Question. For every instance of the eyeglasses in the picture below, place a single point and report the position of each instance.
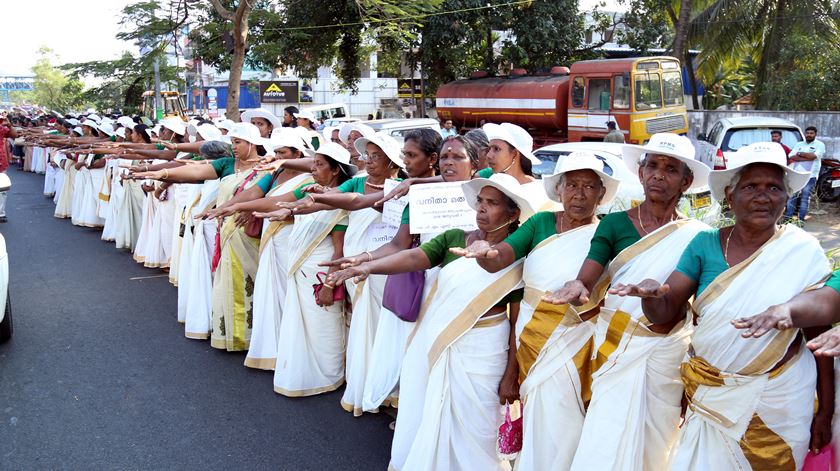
(372, 158)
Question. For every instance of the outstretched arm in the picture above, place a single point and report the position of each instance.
(662, 304)
(402, 262)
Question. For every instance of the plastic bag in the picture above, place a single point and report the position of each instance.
(823, 461)
(509, 443)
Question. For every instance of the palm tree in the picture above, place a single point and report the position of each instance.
(729, 30)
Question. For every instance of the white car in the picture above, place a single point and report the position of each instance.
(398, 128)
(730, 134)
(698, 205)
(6, 313)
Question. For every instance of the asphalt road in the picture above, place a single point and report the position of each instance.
(99, 374)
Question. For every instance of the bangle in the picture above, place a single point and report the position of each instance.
(370, 256)
(327, 285)
(311, 196)
(166, 174)
(176, 147)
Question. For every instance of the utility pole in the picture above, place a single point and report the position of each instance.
(158, 107)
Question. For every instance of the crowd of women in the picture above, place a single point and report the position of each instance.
(640, 340)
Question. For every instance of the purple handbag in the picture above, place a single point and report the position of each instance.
(403, 294)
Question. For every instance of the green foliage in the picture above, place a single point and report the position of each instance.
(647, 24)
(545, 34)
(729, 84)
(807, 75)
(52, 88)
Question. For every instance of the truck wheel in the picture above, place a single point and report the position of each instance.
(6, 325)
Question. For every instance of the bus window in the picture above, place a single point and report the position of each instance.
(672, 88)
(578, 92)
(648, 91)
(599, 94)
(621, 92)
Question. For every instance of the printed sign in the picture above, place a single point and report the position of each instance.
(405, 88)
(279, 91)
(392, 210)
(437, 207)
(380, 234)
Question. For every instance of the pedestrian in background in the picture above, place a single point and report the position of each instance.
(806, 156)
(614, 135)
(776, 136)
(448, 129)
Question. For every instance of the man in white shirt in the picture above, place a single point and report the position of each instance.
(806, 156)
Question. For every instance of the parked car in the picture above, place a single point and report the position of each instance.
(337, 122)
(6, 313)
(398, 128)
(728, 135)
(699, 204)
(328, 111)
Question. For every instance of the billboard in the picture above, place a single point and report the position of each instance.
(405, 89)
(279, 91)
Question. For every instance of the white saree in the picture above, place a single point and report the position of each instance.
(362, 235)
(554, 347)
(58, 158)
(449, 400)
(270, 283)
(746, 411)
(64, 203)
(632, 419)
(311, 339)
(195, 289)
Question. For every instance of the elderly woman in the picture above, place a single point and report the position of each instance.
(550, 347)
(449, 405)
(634, 412)
(751, 400)
(235, 253)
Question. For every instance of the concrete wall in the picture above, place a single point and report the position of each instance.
(826, 122)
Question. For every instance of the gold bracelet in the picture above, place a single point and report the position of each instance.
(370, 256)
(327, 285)
(176, 147)
(166, 174)
(311, 196)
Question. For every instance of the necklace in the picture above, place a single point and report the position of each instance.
(639, 218)
(726, 247)
(501, 227)
(509, 166)
(375, 186)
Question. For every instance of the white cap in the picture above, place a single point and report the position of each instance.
(225, 124)
(247, 132)
(78, 130)
(335, 152)
(581, 160)
(504, 183)
(513, 135)
(327, 133)
(347, 128)
(306, 114)
(125, 121)
(285, 137)
(175, 125)
(120, 132)
(757, 153)
(90, 123)
(94, 117)
(208, 132)
(671, 145)
(106, 128)
(263, 113)
(388, 144)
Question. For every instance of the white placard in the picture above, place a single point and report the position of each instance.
(392, 210)
(380, 234)
(437, 207)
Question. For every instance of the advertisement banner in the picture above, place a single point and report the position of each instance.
(279, 91)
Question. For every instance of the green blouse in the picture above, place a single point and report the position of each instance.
(353, 185)
(224, 166)
(615, 233)
(437, 251)
(703, 259)
(834, 281)
(536, 229)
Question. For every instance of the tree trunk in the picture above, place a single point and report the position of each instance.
(681, 29)
(769, 58)
(240, 47)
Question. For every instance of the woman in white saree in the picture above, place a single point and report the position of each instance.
(458, 352)
(312, 335)
(270, 282)
(365, 232)
(633, 415)
(550, 371)
(751, 400)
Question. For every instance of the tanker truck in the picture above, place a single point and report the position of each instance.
(642, 95)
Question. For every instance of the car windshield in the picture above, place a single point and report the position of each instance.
(734, 139)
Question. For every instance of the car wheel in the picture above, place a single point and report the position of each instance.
(6, 325)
